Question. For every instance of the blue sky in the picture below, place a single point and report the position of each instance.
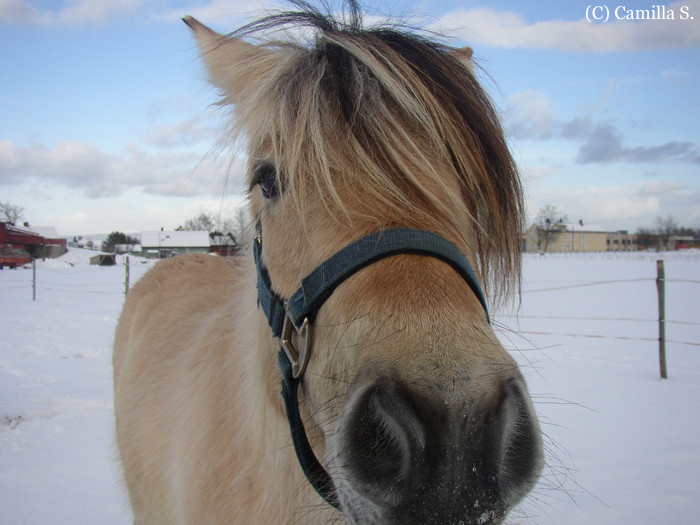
(107, 121)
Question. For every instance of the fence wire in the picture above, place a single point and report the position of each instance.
(611, 319)
(598, 283)
(118, 289)
(616, 319)
(617, 337)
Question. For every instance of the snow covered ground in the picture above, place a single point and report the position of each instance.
(623, 446)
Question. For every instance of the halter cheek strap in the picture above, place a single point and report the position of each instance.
(297, 315)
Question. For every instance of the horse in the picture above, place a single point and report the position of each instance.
(387, 208)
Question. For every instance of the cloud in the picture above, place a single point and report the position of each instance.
(532, 117)
(17, 12)
(224, 12)
(676, 77)
(628, 206)
(604, 144)
(185, 133)
(101, 174)
(507, 29)
(71, 13)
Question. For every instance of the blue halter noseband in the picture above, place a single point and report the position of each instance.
(297, 315)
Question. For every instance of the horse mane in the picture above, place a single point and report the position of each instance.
(393, 112)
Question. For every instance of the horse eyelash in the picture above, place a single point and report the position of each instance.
(263, 172)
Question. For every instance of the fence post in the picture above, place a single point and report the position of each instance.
(33, 279)
(661, 288)
(126, 280)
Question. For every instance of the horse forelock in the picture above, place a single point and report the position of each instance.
(389, 127)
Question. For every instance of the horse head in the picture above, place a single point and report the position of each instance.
(412, 405)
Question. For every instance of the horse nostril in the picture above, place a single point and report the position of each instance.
(385, 439)
(521, 446)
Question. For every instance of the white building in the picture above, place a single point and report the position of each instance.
(161, 244)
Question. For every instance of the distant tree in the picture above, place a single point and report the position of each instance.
(11, 213)
(687, 232)
(242, 228)
(115, 238)
(550, 223)
(646, 239)
(201, 222)
(665, 228)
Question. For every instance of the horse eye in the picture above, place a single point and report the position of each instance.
(265, 176)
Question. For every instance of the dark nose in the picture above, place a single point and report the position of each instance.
(425, 459)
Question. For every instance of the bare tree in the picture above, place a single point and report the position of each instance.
(12, 213)
(665, 229)
(550, 223)
(243, 228)
(202, 222)
(646, 238)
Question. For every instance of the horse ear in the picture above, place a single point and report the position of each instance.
(464, 55)
(233, 64)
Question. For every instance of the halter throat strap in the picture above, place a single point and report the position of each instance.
(297, 315)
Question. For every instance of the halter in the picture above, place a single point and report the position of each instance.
(297, 315)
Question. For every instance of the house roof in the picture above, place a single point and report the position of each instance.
(576, 227)
(175, 239)
(585, 228)
(48, 232)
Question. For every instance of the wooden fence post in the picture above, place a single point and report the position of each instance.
(661, 288)
(126, 280)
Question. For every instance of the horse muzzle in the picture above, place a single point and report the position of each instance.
(409, 456)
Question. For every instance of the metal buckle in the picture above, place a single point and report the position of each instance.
(298, 359)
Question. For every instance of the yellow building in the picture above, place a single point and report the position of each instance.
(574, 238)
(622, 241)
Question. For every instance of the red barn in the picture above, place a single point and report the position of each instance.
(20, 245)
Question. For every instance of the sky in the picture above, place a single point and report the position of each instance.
(107, 122)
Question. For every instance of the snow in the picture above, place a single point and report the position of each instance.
(622, 445)
(57, 451)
